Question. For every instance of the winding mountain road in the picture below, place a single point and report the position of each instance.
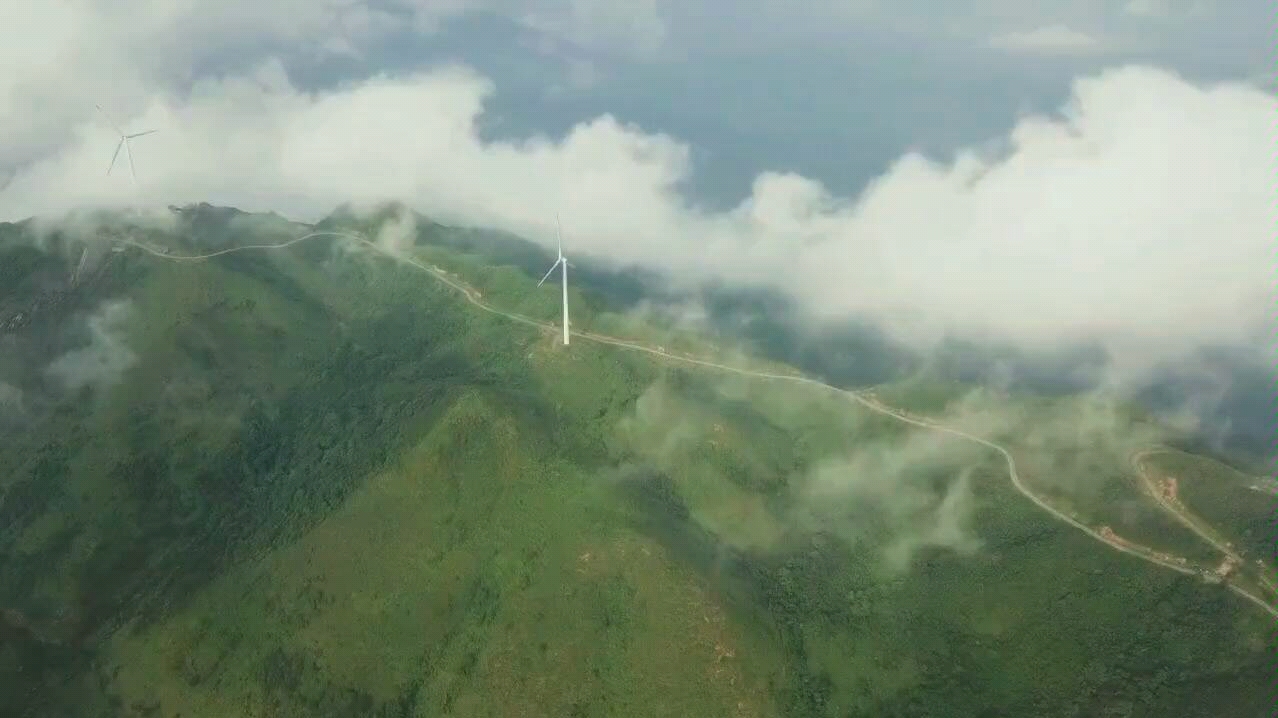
(1138, 464)
(473, 297)
(1182, 514)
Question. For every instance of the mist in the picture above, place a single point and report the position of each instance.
(11, 401)
(901, 495)
(1138, 216)
(397, 234)
(104, 360)
(1132, 216)
(895, 494)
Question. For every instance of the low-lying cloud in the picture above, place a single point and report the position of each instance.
(895, 494)
(103, 361)
(11, 400)
(1047, 40)
(903, 494)
(398, 234)
(1140, 216)
(911, 491)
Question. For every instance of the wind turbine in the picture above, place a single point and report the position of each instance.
(124, 142)
(562, 262)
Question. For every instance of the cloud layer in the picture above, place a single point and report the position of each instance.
(1140, 216)
(105, 359)
(1047, 40)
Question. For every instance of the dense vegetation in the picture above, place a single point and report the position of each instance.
(1242, 507)
(1236, 418)
(316, 482)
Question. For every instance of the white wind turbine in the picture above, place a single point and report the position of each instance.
(124, 142)
(562, 262)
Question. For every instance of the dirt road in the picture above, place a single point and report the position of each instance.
(473, 297)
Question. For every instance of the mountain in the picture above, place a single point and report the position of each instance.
(323, 481)
(1225, 390)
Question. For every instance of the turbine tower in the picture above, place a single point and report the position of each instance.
(124, 142)
(562, 262)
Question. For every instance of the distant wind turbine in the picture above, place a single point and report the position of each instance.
(124, 142)
(562, 262)
(75, 278)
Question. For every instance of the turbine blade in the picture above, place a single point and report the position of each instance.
(129, 153)
(548, 271)
(109, 120)
(115, 155)
(559, 236)
(139, 134)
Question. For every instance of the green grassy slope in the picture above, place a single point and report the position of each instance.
(1074, 451)
(327, 486)
(1235, 503)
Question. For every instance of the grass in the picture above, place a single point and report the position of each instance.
(328, 486)
(448, 586)
(1223, 497)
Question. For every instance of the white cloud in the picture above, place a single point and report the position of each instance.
(1147, 8)
(1047, 40)
(62, 57)
(104, 361)
(397, 235)
(893, 479)
(636, 25)
(1264, 80)
(1143, 216)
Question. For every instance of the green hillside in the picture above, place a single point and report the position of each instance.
(1073, 450)
(1240, 506)
(319, 482)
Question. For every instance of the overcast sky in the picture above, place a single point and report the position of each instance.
(1048, 171)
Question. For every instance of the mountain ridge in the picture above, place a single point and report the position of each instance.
(314, 356)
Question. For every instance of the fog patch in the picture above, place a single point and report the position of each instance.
(103, 362)
(900, 495)
(398, 234)
(11, 400)
(661, 423)
(77, 227)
